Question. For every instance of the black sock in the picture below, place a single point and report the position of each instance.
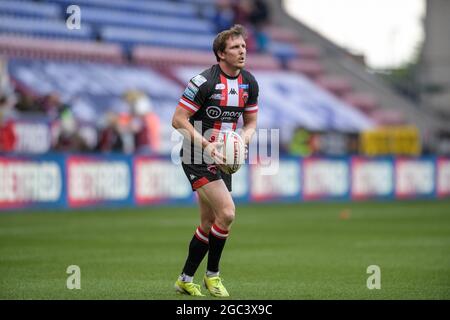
(217, 238)
(197, 251)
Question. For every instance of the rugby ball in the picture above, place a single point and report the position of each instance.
(233, 149)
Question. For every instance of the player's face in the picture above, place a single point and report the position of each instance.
(235, 52)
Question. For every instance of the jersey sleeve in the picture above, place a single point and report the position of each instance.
(194, 95)
(252, 103)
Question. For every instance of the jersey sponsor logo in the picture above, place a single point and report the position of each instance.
(232, 91)
(198, 80)
(245, 96)
(192, 87)
(243, 86)
(220, 86)
(217, 96)
(190, 91)
(189, 94)
(213, 112)
(230, 115)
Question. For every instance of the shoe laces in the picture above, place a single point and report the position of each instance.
(216, 281)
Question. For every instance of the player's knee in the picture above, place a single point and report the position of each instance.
(228, 215)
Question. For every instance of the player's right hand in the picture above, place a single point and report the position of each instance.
(213, 150)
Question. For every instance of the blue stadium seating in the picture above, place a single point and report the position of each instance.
(130, 36)
(281, 50)
(156, 7)
(147, 32)
(126, 22)
(29, 9)
(43, 27)
(101, 16)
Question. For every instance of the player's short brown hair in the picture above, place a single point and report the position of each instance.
(220, 42)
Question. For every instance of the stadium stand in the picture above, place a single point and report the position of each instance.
(310, 67)
(166, 36)
(337, 61)
(281, 34)
(163, 57)
(388, 117)
(42, 28)
(338, 85)
(152, 22)
(129, 37)
(30, 9)
(365, 102)
(25, 47)
(160, 7)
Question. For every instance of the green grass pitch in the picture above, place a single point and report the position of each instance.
(276, 251)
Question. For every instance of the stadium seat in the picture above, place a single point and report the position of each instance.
(388, 117)
(163, 57)
(307, 51)
(29, 9)
(15, 46)
(147, 21)
(310, 67)
(365, 102)
(160, 7)
(337, 85)
(132, 36)
(262, 62)
(283, 50)
(43, 27)
(280, 34)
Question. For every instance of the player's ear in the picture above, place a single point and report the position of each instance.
(221, 54)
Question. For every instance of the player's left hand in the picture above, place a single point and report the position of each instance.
(213, 151)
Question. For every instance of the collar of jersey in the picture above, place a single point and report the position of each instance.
(227, 76)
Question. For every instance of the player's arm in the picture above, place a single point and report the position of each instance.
(250, 113)
(180, 121)
(190, 102)
(249, 128)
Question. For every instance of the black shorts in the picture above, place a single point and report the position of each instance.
(200, 174)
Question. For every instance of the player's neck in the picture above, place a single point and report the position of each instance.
(229, 70)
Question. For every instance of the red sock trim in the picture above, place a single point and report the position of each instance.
(219, 230)
(202, 232)
(201, 237)
(219, 233)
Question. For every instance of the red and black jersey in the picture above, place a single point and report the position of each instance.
(218, 100)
